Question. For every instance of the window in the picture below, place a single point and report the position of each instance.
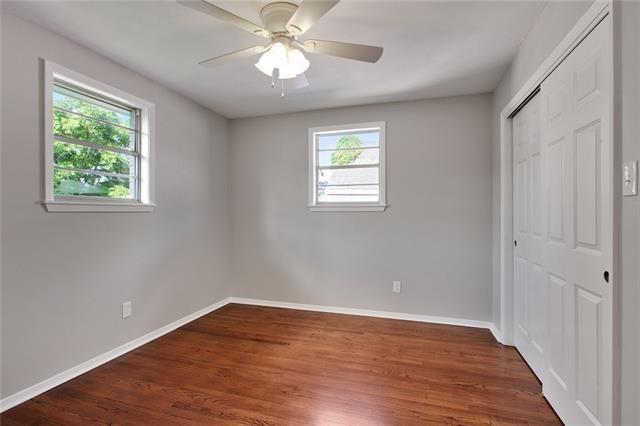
(97, 145)
(347, 167)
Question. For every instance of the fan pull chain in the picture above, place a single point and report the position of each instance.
(282, 88)
(273, 82)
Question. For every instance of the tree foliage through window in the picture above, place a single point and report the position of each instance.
(348, 151)
(83, 126)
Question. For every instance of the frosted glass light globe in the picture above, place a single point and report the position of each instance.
(278, 54)
(297, 62)
(290, 62)
(265, 64)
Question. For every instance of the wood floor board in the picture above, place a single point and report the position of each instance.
(268, 366)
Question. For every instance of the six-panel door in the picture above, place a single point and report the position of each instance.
(577, 253)
(530, 287)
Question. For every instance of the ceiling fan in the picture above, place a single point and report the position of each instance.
(283, 22)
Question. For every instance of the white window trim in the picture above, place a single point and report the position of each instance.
(381, 205)
(95, 204)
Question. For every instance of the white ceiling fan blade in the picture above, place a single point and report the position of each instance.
(219, 13)
(299, 82)
(243, 53)
(359, 52)
(308, 13)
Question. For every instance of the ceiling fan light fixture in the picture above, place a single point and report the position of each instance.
(297, 62)
(266, 64)
(290, 62)
(283, 22)
(285, 73)
(278, 54)
(274, 57)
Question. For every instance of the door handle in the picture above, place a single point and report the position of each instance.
(606, 276)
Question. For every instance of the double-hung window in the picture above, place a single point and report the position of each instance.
(97, 145)
(347, 167)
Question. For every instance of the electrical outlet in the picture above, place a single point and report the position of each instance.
(397, 286)
(126, 309)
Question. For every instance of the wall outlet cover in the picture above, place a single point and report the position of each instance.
(397, 286)
(126, 309)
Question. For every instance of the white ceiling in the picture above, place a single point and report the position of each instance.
(431, 48)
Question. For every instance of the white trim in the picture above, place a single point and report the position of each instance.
(582, 28)
(58, 379)
(87, 206)
(381, 205)
(364, 312)
(496, 333)
(349, 208)
(54, 71)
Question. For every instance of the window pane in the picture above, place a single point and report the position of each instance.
(355, 193)
(86, 184)
(81, 157)
(76, 127)
(348, 140)
(68, 99)
(349, 156)
(349, 176)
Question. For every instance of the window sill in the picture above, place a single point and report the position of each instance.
(88, 206)
(349, 208)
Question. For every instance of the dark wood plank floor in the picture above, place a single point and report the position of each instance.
(267, 366)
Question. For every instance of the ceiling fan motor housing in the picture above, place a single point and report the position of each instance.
(276, 15)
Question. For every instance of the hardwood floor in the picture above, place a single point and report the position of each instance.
(267, 366)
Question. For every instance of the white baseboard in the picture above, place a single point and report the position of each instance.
(496, 333)
(365, 312)
(58, 379)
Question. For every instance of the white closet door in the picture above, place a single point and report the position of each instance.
(578, 204)
(530, 288)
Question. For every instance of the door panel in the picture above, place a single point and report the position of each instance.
(530, 291)
(521, 276)
(558, 337)
(578, 239)
(521, 179)
(538, 314)
(586, 186)
(555, 191)
(588, 349)
(536, 191)
(555, 104)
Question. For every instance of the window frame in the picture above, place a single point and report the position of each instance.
(313, 134)
(145, 124)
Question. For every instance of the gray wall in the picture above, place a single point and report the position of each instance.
(555, 22)
(435, 236)
(65, 275)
